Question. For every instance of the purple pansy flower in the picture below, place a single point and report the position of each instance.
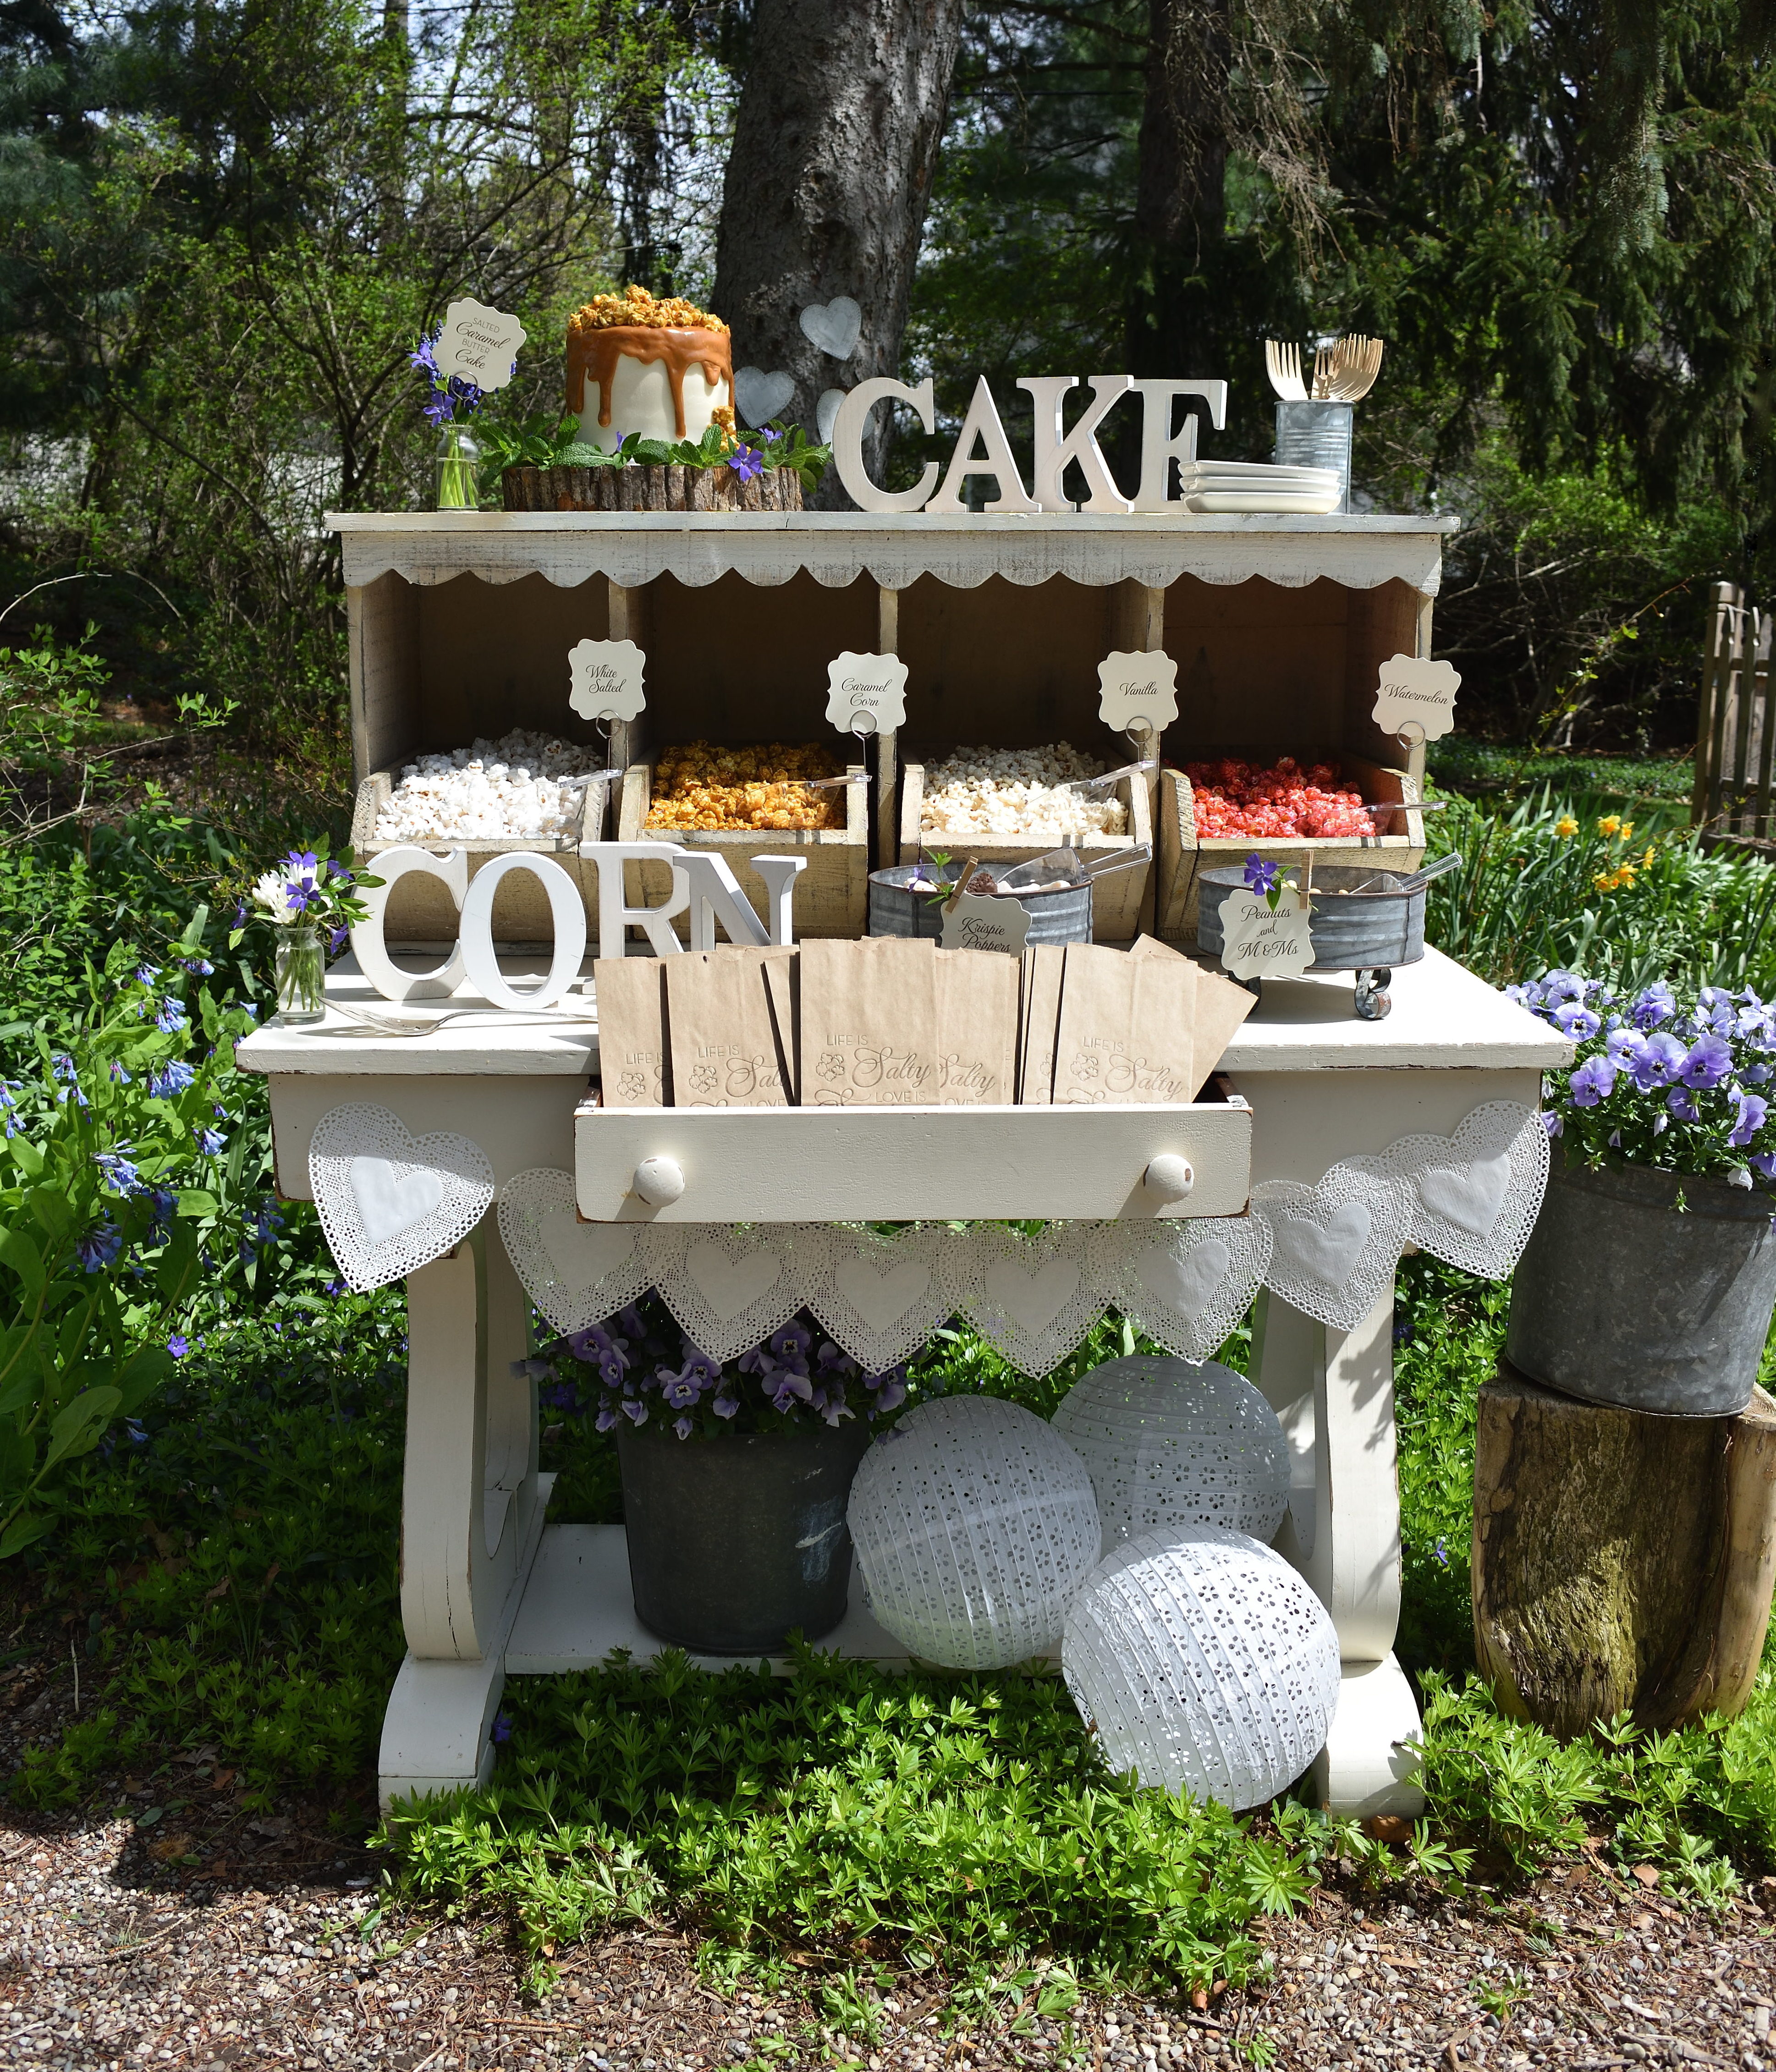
(1682, 1103)
(1753, 1108)
(1652, 1004)
(1657, 1062)
(1709, 1062)
(1594, 1081)
(1573, 1018)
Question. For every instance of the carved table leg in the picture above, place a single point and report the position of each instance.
(471, 1513)
(1334, 1392)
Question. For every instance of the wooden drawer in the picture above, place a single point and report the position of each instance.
(893, 1165)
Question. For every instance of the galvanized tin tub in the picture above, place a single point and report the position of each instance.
(1376, 930)
(1063, 916)
(1620, 1297)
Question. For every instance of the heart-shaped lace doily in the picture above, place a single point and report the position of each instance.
(1186, 1284)
(881, 1298)
(1477, 1194)
(1334, 1247)
(578, 1273)
(730, 1288)
(1032, 1298)
(390, 1202)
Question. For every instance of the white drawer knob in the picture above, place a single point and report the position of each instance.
(1169, 1176)
(659, 1181)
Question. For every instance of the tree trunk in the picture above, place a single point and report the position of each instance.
(1622, 1562)
(1180, 200)
(827, 183)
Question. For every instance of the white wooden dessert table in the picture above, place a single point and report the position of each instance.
(487, 1590)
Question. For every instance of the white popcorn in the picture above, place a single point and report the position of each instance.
(497, 790)
(1020, 791)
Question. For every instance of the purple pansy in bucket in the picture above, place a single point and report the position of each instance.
(644, 1368)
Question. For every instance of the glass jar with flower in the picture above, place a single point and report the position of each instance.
(310, 900)
(735, 1473)
(1651, 1277)
(449, 398)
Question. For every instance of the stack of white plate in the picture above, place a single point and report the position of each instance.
(1211, 486)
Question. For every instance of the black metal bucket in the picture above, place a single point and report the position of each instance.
(1619, 1298)
(1061, 916)
(1378, 929)
(737, 1541)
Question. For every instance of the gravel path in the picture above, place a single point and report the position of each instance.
(116, 1951)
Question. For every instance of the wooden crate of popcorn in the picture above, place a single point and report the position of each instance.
(1185, 854)
(420, 908)
(832, 894)
(1118, 899)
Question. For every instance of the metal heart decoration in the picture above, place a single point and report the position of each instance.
(1477, 1194)
(576, 1273)
(390, 1202)
(881, 1298)
(1186, 1284)
(826, 413)
(834, 326)
(759, 396)
(728, 1290)
(1334, 1247)
(1032, 1298)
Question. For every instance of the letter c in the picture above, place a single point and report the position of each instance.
(847, 428)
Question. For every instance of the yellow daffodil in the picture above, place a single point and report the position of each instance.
(1566, 826)
(1646, 860)
(1609, 824)
(1627, 831)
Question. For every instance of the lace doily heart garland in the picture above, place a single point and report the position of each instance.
(576, 1273)
(1334, 1247)
(881, 1298)
(1476, 1195)
(390, 1202)
(1186, 1284)
(1032, 1299)
(729, 1288)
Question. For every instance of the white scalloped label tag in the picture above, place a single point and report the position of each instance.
(1137, 690)
(866, 693)
(606, 680)
(479, 343)
(1416, 694)
(980, 921)
(1258, 942)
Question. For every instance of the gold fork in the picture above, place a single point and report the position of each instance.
(1283, 364)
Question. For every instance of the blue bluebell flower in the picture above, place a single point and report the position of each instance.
(169, 1017)
(63, 1065)
(209, 1141)
(169, 1080)
(101, 1246)
(120, 1175)
(121, 1074)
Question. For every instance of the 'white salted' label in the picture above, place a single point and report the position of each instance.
(1256, 942)
(607, 678)
(866, 693)
(1137, 690)
(979, 922)
(480, 343)
(1416, 694)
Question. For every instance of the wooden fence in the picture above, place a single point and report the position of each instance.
(1734, 737)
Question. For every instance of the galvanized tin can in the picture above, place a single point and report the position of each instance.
(1064, 916)
(1316, 435)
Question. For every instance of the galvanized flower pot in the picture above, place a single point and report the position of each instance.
(1622, 1297)
(737, 1541)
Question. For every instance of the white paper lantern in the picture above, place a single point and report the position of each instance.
(1168, 1443)
(1204, 1663)
(974, 1525)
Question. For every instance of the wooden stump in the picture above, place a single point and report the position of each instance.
(638, 488)
(1622, 1562)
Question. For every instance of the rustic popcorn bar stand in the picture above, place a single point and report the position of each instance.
(460, 625)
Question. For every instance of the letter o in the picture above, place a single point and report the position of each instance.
(566, 909)
(367, 945)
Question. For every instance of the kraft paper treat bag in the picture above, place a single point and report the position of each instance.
(719, 1031)
(1126, 1028)
(869, 1026)
(782, 973)
(1150, 946)
(631, 993)
(976, 1028)
(1221, 1006)
(1042, 1009)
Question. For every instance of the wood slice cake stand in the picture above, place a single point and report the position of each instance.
(640, 488)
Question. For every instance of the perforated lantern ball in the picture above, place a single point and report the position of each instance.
(974, 1525)
(1204, 1663)
(1168, 1443)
